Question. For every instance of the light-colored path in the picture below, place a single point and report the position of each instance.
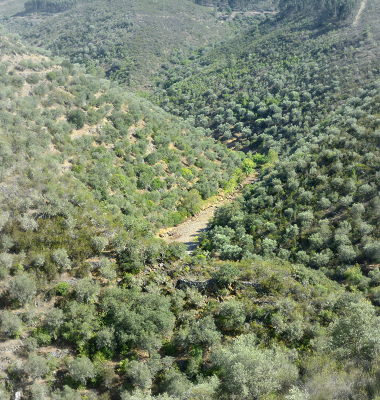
(193, 227)
(362, 7)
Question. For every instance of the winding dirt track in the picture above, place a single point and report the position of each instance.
(193, 227)
(362, 7)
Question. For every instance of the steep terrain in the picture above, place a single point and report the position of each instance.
(127, 41)
(313, 99)
(280, 300)
(361, 9)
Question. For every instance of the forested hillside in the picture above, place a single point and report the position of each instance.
(143, 167)
(127, 41)
(269, 86)
(49, 6)
(314, 101)
(240, 5)
(280, 301)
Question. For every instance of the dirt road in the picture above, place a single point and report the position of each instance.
(194, 226)
(362, 7)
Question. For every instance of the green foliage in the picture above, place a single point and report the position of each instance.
(11, 325)
(51, 76)
(42, 336)
(353, 275)
(149, 313)
(81, 369)
(248, 166)
(62, 288)
(33, 79)
(251, 371)
(23, 288)
(77, 118)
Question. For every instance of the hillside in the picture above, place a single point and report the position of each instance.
(312, 99)
(11, 7)
(268, 86)
(280, 301)
(143, 167)
(128, 40)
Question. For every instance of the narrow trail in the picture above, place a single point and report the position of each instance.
(362, 7)
(194, 226)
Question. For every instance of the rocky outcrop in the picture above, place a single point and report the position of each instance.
(199, 285)
(212, 285)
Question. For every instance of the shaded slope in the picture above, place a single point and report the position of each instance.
(250, 90)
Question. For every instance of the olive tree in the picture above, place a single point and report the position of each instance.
(231, 315)
(202, 332)
(107, 269)
(54, 321)
(39, 392)
(105, 339)
(150, 342)
(140, 374)
(138, 394)
(81, 369)
(99, 243)
(66, 394)
(37, 366)
(356, 334)
(61, 258)
(372, 251)
(4, 394)
(23, 288)
(86, 290)
(11, 324)
(192, 202)
(6, 260)
(77, 118)
(250, 372)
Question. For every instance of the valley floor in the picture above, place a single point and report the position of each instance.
(188, 231)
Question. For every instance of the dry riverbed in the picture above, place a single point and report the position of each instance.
(189, 230)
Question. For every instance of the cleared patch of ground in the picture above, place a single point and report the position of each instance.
(189, 230)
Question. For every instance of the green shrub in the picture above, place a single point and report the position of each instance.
(77, 118)
(42, 336)
(51, 76)
(33, 79)
(62, 288)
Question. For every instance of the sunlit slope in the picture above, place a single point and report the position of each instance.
(128, 39)
(83, 161)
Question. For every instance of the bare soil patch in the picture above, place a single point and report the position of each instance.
(361, 9)
(189, 230)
